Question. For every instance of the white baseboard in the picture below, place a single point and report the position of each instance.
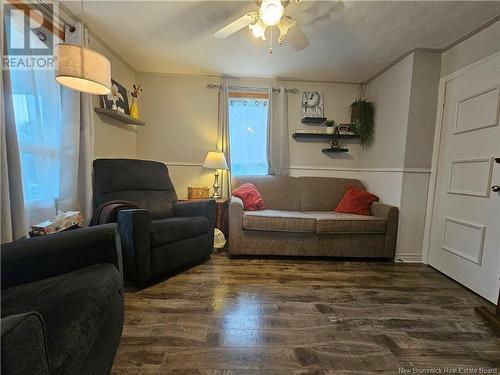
(408, 258)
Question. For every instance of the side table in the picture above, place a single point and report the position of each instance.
(221, 214)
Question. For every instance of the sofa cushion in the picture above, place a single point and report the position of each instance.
(356, 201)
(278, 192)
(324, 193)
(336, 222)
(278, 221)
(250, 196)
(72, 306)
(176, 229)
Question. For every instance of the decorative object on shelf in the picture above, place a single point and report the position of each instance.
(201, 192)
(134, 108)
(83, 69)
(335, 143)
(330, 127)
(335, 146)
(313, 120)
(122, 117)
(216, 160)
(310, 131)
(345, 129)
(117, 99)
(363, 116)
(312, 104)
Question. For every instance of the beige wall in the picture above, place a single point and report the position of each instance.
(390, 92)
(181, 123)
(405, 98)
(181, 126)
(479, 46)
(422, 110)
(112, 138)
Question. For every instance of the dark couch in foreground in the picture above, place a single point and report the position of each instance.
(62, 303)
(163, 235)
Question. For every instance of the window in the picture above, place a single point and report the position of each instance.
(36, 102)
(248, 133)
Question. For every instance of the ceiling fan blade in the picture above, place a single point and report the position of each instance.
(285, 24)
(235, 26)
(297, 38)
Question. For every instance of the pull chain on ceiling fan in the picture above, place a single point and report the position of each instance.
(271, 13)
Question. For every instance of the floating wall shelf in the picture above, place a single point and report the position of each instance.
(323, 136)
(122, 117)
(314, 120)
(333, 149)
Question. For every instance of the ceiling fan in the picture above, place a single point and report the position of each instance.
(271, 13)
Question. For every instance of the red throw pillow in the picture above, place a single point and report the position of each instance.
(248, 193)
(356, 201)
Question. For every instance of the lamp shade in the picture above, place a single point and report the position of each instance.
(83, 69)
(215, 160)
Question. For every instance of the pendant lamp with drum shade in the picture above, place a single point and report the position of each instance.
(83, 69)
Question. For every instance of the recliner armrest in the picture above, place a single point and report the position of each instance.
(202, 207)
(38, 258)
(135, 229)
(24, 347)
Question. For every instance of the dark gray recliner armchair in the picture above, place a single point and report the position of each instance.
(62, 303)
(162, 235)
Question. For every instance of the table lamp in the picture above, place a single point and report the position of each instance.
(216, 160)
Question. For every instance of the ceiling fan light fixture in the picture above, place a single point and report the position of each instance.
(258, 29)
(271, 12)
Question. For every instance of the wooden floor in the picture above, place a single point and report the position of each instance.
(268, 316)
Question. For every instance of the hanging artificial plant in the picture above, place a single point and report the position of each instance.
(362, 116)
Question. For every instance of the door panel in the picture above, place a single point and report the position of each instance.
(465, 233)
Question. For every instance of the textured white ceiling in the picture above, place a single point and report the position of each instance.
(350, 41)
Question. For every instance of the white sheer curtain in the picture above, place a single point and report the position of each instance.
(37, 111)
(13, 221)
(223, 137)
(77, 143)
(278, 150)
(55, 137)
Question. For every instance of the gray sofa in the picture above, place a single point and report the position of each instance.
(299, 220)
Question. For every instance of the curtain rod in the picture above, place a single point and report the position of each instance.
(214, 86)
(50, 11)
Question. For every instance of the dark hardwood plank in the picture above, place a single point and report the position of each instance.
(303, 316)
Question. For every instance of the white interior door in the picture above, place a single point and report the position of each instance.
(465, 231)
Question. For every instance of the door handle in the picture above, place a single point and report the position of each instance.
(495, 188)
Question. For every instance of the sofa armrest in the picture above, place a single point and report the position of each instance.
(135, 230)
(235, 224)
(203, 207)
(236, 211)
(38, 258)
(24, 348)
(391, 215)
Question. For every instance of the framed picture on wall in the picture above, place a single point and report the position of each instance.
(312, 104)
(117, 99)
